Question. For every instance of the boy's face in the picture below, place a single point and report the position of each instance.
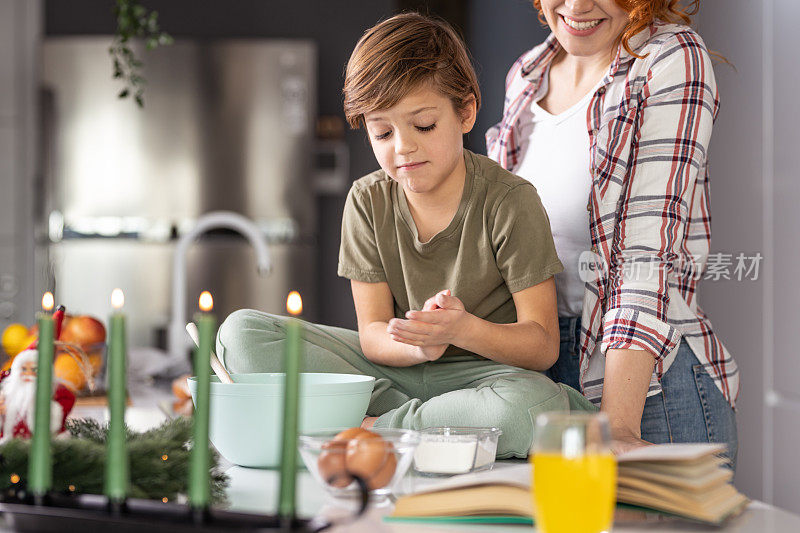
(418, 141)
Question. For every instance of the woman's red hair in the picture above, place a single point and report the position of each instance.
(642, 13)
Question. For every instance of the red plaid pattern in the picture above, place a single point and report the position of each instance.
(649, 124)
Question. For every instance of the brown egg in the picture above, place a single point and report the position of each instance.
(331, 464)
(383, 476)
(371, 458)
(351, 433)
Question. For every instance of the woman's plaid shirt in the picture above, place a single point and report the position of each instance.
(649, 126)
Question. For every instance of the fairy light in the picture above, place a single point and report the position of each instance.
(164, 457)
(14, 479)
(164, 499)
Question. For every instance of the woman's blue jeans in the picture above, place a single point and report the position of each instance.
(690, 407)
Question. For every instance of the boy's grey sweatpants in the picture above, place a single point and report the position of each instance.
(455, 391)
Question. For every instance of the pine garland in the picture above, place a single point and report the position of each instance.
(159, 461)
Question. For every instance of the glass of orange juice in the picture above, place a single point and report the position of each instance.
(574, 473)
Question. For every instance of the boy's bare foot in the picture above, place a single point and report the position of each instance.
(368, 422)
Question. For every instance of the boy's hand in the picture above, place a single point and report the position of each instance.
(429, 353)
(432, 329)
(430, 304)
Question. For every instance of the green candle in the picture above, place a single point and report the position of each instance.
(291, 395)
(117, 469)
(199, 478)
(40, 468)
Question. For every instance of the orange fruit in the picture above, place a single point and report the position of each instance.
(84, 331)
(180, 388)
(68, 370)
(182, 407)
(15, 339)
(96, 360)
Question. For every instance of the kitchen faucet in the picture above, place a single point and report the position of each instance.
(178, 340)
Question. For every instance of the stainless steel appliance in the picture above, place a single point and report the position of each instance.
(227, 125)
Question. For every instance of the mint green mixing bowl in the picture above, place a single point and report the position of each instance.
(247, 416)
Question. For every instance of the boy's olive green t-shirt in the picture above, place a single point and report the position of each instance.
(498, 243)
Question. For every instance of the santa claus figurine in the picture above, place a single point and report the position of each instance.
(18, 396)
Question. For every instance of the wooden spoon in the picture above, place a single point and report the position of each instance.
(216, 364)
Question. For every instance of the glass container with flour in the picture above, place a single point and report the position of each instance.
(446, 451)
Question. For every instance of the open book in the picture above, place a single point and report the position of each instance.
(687, 480)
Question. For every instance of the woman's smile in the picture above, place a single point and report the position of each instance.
(586, 28)
(580, 28)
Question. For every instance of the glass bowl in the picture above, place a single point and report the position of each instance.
(447, 451)
(381, 462)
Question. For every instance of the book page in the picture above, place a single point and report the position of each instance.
(519, 474)
(671, 452)
(516, 475)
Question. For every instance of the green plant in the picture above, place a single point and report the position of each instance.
(159, 461)
(134, 21)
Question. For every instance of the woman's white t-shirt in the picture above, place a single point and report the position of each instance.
(555, 159)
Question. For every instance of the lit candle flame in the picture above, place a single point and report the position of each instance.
(48, 301)
(117, 299)
(294, 303)
(206, 302)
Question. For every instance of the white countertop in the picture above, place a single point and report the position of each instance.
(256, 491)
(253, 490)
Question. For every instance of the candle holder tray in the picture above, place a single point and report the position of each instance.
(87, 512)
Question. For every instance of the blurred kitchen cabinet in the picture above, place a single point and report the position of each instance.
(20, 32)
(8, 185)
(8, 46)
(227, 125)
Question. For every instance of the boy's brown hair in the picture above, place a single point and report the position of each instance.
(399, 55)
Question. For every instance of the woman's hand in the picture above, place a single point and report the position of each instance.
(432, 329)
(624, 440)
(625, 385)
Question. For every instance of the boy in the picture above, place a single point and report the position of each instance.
(450, 257)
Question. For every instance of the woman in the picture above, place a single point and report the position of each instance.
(616, 107)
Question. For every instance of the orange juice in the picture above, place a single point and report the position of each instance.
(574, 494)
